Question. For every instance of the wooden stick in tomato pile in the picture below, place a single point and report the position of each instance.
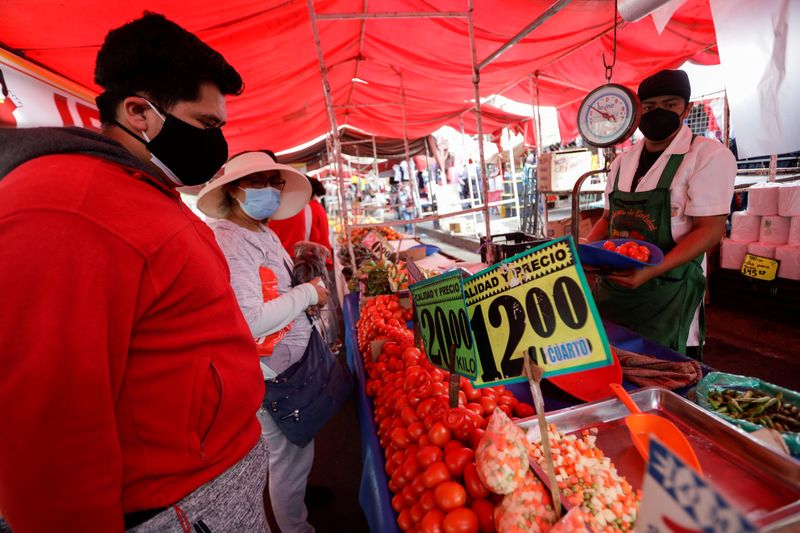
(534, 375)
(455, 379)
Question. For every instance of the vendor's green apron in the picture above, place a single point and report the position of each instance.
(663, 308)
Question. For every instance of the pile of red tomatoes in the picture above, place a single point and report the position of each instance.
(429, 447)
(630, 249)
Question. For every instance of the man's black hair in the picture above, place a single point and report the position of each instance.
(155, 57)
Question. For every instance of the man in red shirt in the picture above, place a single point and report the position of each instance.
(130, 380)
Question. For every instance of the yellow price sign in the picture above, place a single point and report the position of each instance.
(537, 299)
(756, 266)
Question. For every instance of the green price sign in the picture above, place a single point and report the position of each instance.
(442, 318)
(537, 299)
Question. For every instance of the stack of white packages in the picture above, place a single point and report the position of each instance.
(774, 230)
(762, 249)
(763, 198)
(794, 231)
(732, 254)
(789, 199)
(745, 226)
(789, 256)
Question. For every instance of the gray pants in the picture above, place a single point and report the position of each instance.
(231, 502)
(289, 466)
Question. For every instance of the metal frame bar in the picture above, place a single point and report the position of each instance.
(393, 15)
(557, 6)
(430, 218)
(476, 81)
(337, 149)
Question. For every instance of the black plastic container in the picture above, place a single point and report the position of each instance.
(506, 245)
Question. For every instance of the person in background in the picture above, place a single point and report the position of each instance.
(252, 190)
(130, 380)
(672, 189)
(405, 207)
(317, 219)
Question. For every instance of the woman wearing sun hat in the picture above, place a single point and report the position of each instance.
(251, 190)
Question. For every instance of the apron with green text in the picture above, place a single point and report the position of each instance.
(663, 308)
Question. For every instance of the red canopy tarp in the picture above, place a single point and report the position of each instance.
(271, 43)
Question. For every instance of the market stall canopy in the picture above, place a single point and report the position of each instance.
(426, 63)
(359, 144)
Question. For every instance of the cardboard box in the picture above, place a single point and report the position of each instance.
(558, 171)
(563, 227)
(461, 225)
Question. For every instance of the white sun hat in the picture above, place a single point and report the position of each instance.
(294, 196)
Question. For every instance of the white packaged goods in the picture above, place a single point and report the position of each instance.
(745, 226)
(789, 199)
(789, 256)
(763, 198)
(732, 254)
(774, 230)
(794, 231)
(762, 249)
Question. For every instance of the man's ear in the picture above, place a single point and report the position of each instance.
(131, 111)
(686, 111)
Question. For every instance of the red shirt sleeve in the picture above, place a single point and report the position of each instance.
(69, 302)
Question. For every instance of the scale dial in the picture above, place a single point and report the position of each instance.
(608, 115)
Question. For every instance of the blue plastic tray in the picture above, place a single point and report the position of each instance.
(595, 255)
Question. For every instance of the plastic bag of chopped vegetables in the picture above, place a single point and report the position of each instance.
(752, 404)
(527, 509)
(502, 455)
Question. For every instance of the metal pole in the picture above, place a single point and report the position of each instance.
(375, 158)
(428, 218)
(469, 179)
(549, 12)
(326, 89)
(513, 166)
(727, 122)
(476, 80)
(393, 15)
(412, 179)
(773, 167)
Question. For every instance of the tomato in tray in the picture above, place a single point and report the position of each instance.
(630, 249)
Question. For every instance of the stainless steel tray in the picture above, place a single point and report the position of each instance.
(762, 484)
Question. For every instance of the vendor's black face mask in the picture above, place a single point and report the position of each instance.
(188, 155)
(658, 124)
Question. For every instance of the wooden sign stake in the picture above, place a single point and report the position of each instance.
(534, 375)
(455, 379)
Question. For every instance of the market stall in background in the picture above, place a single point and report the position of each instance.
(451, 356)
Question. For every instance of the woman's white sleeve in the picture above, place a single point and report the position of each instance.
(275, 314)
(244, 261)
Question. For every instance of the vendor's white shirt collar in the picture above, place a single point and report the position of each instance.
(679, 145)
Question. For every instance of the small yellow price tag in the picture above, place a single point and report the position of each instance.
(758, 267)
(536, 299)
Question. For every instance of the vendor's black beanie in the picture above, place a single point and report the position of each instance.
(666, 83)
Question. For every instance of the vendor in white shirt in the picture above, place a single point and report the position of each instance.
(672, 189)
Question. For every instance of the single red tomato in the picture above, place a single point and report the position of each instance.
(475, 408)
(404, 520)
(432, 522)
(400, 438)
(477, 435)
(427, 455)
(449, 495)
(488, 404)
(435, 474)
(452, 445)
(484, 510)
(461, 520)
(608, 245)
(475, 486)
(506, 409)
(398, 502)
(457, 460)
(523, 410)
(439, 434)
(427, 500)
(416, 512)
(418, 486)
(416, 430)
(411, 467)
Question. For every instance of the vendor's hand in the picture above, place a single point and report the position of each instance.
(322, 292)
(634, 277)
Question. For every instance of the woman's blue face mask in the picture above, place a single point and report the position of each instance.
(260, 204)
